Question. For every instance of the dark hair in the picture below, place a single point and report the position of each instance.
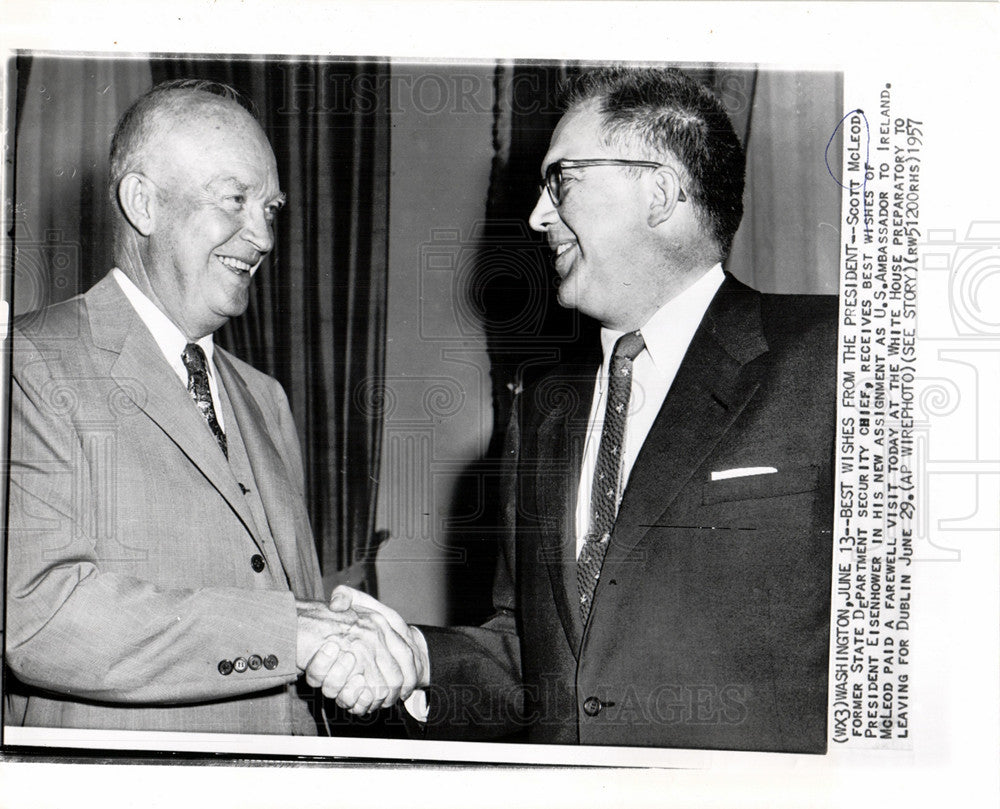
(665, 111)
(138, 122)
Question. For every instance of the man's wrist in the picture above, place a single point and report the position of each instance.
(423, 658)
(416, 704)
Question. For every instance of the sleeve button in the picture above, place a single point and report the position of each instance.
(254, 662)
(225, 667)
(239, 665)
(270, 662)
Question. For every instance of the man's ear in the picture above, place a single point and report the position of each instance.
(667, 194)
(136, 196)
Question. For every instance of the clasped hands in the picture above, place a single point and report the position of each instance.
(359, 652)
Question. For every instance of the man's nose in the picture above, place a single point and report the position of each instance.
(544, 213)
(258, 229)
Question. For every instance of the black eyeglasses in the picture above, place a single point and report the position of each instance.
(554, 179)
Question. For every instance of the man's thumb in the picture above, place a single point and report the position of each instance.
(341, 599)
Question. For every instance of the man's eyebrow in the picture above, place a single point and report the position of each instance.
(280, 199)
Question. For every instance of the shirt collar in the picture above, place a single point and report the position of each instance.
(673, 323)
(169, 338)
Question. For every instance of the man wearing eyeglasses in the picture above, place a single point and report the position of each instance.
(664, 576)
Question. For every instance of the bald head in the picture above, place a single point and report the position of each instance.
(195, 185)
(165, 107)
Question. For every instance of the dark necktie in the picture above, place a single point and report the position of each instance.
(197, 368)
(607, 472)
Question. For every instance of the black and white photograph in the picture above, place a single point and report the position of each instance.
(428, 414)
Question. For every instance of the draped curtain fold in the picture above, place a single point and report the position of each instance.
(316, 319)
(527, 332)
(66, 113)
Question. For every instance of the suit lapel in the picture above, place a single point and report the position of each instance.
(269, 473)
(144, 376)
(561, 437)
(713, 384)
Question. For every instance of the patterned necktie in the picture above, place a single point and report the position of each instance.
(607, 472)
(197, 368)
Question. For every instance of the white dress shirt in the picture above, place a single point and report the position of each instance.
(170, 339)
(667, 335)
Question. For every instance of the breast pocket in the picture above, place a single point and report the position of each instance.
(794, 480)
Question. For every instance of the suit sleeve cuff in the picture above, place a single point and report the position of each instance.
(416, 705)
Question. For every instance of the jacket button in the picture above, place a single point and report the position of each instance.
(257, 563)
(270, 662)
(254, 662)
(225, 667)
(239, 665)
(592, 706)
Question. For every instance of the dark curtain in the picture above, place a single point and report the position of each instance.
(527, 331)
(66, 113)
(316, 319)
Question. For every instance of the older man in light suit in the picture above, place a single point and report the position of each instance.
(161, 569)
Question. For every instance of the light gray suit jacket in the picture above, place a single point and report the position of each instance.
(136, 563)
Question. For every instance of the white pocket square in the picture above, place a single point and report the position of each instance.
(743, 472)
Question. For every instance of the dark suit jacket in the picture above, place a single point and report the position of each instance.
(135, 564)
(709, 626)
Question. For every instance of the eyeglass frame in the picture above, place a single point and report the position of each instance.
(556, 167)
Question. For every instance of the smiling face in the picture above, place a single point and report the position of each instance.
(617, 235)
(214, 194)
(609, 254)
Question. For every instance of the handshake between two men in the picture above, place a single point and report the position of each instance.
(359, 652)
(630, 605)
